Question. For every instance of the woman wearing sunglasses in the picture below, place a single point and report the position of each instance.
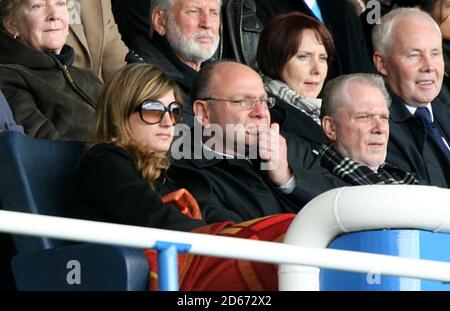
(122, 175)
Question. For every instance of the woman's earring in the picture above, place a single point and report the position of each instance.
(15, 36)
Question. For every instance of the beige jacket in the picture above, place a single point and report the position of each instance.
(95, 37)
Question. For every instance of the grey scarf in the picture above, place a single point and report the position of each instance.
(310, 106)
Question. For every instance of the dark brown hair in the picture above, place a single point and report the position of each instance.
(281, 37)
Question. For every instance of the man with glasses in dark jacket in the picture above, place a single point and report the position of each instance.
(244, 167)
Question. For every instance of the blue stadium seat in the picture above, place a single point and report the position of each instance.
(37, 177)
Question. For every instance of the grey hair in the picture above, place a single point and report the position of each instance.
(382, 33)
(164, 5)
(159, 5)
(335, 93)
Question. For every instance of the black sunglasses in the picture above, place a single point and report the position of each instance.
(152, 111)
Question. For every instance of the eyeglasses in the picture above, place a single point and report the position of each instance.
(152, 111)
(247, 103)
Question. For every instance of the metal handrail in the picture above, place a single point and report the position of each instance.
(218, 246)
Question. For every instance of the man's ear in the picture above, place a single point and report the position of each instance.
(380, 65)
(159, 22)
(329, 128)
(11, 27)
(202, 112)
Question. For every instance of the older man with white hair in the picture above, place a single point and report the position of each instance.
(408, 54)
(186, 33)
(354, 115)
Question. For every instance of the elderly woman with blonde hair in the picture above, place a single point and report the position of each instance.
(49, 97)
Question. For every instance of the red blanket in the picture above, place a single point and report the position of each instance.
(210, 273)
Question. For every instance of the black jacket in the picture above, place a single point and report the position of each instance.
(412, 149)
(48, 97)
(295, 121)
(237, 190)
(132, 18)
(109, 188)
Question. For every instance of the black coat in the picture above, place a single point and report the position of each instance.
(237, 190)
(132, 18)
(48, 97)
(109, 188)
(340, 18)
(295, 121)
(410, 146)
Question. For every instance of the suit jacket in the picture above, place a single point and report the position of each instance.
(340, 18)
(96, 41)
(410, 146)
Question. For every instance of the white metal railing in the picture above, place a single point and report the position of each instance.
(225, 247)
(361, 208)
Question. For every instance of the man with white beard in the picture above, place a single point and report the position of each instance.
(186, 33)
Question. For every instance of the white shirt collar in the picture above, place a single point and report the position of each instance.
(225, 155)
(310, 3)
(412, 110)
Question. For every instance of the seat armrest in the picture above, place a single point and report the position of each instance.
(82, 267)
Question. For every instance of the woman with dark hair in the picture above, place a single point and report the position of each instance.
(294, 54)
(48, 97)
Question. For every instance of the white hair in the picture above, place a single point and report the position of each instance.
(335, 94)
(188, 48)
(382, 33)
(165, 5)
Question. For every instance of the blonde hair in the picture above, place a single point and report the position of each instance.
(121, 96)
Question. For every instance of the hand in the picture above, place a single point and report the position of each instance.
(272, 149)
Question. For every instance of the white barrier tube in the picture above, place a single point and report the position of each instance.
(361, 208)
(226, 247)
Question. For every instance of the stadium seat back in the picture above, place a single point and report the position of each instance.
(37, 176)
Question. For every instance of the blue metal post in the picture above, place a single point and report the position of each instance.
(168, 264)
